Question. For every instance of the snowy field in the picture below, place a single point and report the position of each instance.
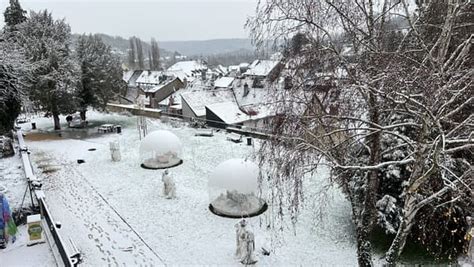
(116, 214)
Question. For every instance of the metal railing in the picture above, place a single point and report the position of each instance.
(69, 255)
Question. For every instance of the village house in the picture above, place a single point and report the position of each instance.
(229, 114)
(133, 91)
(224, 82)
(188, 70)
(194, 103)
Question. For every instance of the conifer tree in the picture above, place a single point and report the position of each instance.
(155, 55)
(140, 56)
(46, 44)
(132, 54)
(101, 74)
(14, 14)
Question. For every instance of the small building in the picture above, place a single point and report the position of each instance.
(188, 70)
(150, 78)
(133, 91)
(261, 68)
(222, 115)
(194, 103)
(159, 88)
(224, 82)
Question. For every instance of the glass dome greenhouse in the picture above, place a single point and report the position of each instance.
(233, 190)
(160, 150)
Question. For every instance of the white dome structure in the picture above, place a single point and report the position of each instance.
(160, 150)
(233, 190)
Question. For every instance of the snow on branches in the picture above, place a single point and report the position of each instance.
(382, 94)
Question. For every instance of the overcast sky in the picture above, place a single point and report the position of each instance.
(166, 20)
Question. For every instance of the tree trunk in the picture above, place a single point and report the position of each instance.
(82, 113)
(57, 124)
(398, 243)
(360, 218)
(364, 207)
(373, 176)
(364, 249)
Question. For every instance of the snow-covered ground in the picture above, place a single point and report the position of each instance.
(18, 254)
(116, 214)
(13, 181)
(13, 184)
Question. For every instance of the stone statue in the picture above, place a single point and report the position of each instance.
(169, 187)
(115, 151)
(239, 234)
(249, 244)
(245, 244)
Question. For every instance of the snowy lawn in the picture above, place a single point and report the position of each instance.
(102, 203)
(13, 184)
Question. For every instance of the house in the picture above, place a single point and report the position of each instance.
(224, 82)
(224, 114)
(188, 70)
(150, 78)
(223, 71)
(130, 77)
(127, 75)
(234, 70)
(261, 68)
(161, 91)
(194, 103)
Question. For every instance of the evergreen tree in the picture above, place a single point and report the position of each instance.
(14, 70)
(14, 14)
(132, 54)
(9, 95)
(46, 43)
(101, 73)
(140, 56)
(150, 60)
(155, 55)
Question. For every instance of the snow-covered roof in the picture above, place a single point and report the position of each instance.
(187, 67)
(228, 111)
(156, 88)
(195, 85)
(132, 81)
(223, 82)
(127, 75)
(150, 77)
(254, 96)
(261, 67)
(221, 69)
(198, 100)
(234, 68)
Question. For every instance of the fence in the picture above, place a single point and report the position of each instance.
(262, 133)
(70, 256)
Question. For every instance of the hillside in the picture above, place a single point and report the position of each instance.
(121, 44)
(187, 48)
(208, 47)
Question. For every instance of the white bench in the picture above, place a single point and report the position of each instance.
(236, 138)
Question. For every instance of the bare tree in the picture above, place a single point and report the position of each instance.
(374, 92)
